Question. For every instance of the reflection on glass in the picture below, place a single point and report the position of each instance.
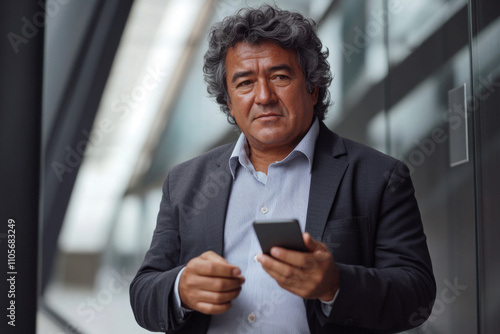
(416, 21)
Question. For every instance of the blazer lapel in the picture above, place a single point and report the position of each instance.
(327, 173)
(215, 215)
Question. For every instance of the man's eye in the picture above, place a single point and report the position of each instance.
(281, 77)
(244, 83)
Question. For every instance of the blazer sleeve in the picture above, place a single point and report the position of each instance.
(151, 291)
(388, 296)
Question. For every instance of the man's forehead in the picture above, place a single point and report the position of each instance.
(266, 52)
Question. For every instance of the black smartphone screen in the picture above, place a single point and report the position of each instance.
(283, 233)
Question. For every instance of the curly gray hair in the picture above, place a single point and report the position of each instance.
(289, 30)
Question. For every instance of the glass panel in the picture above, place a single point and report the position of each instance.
(416, 21)
(485, 102)
(103, 230)
(428, 49)
(354, 34)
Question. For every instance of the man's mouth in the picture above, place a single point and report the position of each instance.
(268, 116)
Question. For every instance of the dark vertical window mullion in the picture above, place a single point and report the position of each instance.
(475, 156)
(387, 83)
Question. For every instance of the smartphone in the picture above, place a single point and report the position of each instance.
(283, 233)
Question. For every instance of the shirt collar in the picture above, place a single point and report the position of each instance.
(306, 147)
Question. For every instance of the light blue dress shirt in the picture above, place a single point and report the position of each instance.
(262, 305)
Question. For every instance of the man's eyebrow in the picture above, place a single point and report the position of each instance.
(280, 67)
(275, 68)
(238, 75)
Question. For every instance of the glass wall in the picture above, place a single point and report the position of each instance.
(429, 57)
(485, 105)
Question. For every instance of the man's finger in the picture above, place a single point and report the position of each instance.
(212, 256)
(211, 264)
(218, 297)
(271, 264)
(290, 257)
(301, 259)
(319, 249)
(279, 270)
(288, 277)
(312, 244)
(207, 283)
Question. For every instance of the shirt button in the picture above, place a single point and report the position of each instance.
(252, 317)
(264, 210)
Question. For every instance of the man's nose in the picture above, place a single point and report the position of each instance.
(264, 93)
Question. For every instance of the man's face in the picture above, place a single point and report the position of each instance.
(268, 95)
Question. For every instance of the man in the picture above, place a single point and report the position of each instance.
(368, 267)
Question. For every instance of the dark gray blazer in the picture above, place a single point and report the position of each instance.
(361, 204)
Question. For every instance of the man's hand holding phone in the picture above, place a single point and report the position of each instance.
(311, 275)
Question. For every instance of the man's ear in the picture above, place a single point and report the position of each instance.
(314, 95)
